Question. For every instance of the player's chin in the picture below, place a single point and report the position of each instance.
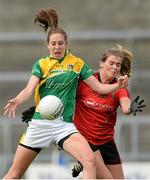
(113, 75)
(58, 56)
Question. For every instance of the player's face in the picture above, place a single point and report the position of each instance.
(57, 46)
(111, 67)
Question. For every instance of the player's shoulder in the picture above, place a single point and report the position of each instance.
(75, 58)
(44, 58)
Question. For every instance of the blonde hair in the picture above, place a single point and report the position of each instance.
(48, 20)
(124, 54)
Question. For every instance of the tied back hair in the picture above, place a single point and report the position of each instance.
(126, 61)
(47, 18)
(124, 54)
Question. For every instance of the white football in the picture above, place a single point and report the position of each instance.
(50, 107)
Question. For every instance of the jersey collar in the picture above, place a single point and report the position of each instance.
(60, 60)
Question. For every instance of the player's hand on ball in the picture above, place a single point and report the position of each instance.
(9, 109)
(137, 105)
(27, 114)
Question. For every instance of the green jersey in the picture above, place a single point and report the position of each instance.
(59, 78)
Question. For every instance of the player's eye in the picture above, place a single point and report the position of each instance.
(61, 43)
(118, 65)
(53, 43)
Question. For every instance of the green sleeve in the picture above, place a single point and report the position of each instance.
(36, 70)
(85, 72)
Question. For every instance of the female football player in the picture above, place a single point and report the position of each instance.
(96, 114)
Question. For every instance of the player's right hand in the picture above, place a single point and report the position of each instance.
(9, 109)
(123, 81)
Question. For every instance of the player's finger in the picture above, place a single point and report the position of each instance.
(142, 106)
(13, 114)
(125, 83)
(137, 98)
(141, 101)
(6, 107)
(24, 113)
(9, 114)
(6, 111)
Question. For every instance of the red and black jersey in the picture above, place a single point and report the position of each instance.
(95, 114)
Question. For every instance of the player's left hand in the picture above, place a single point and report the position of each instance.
(27, 114)
(137, 105)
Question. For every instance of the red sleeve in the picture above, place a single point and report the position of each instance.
(122, 93)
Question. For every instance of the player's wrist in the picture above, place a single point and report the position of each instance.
(117, 86)
(17, 102)
(129, 111)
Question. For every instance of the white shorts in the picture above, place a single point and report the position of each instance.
(41, 133)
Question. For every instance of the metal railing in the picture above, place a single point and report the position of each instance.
(77, 35)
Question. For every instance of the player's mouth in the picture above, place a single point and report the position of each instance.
(113, 72)
(58, 54)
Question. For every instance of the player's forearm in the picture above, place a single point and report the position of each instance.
(125, 103)
(27, 92)
(101, 88)
(23, 96)
(105, 88)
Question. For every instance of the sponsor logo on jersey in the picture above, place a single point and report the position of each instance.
(70, 67)
(93, 104)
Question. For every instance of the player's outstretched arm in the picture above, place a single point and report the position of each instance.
(25, 94)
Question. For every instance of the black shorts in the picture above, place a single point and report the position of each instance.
(109, 152)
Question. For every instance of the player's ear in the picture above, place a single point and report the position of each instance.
(101, 64)
(48, 46)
